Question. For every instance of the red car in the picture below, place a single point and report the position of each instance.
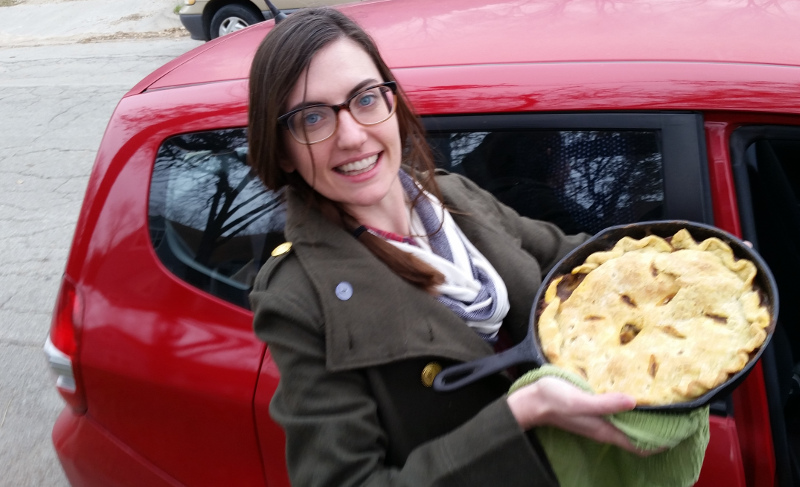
(587, 113)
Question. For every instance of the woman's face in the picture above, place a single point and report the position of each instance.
(357, 166)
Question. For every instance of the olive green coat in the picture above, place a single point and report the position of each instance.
(351, 399)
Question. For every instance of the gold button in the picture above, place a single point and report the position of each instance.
(429, 373)
(282, 249)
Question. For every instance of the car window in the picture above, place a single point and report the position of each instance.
(582, 171)
(212, 222)
(581, 180)
(768, 183)
(766, 166)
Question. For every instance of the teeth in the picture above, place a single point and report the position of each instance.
(358, 166)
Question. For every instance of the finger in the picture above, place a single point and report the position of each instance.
(580, 402)
(611, 403)
(601, 404)
(647, 453)
(612, 435)
(598, 430)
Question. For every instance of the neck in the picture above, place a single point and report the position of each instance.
(390, 214)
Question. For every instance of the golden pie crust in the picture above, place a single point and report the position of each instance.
(664, 320)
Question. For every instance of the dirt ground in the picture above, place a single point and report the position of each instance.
(25, 23)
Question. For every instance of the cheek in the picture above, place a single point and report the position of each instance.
(391, 133)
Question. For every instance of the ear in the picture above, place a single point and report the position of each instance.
(284, 154)
(287, 165)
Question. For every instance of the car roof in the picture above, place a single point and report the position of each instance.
(421, 33)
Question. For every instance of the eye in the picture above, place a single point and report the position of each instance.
(311, 118)
(367, 99)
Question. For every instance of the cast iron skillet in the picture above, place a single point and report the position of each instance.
(529, 350)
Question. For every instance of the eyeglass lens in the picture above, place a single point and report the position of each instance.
(316, 123)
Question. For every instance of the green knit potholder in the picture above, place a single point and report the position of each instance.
(578, 461)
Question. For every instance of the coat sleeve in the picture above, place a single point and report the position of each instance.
(333, 433)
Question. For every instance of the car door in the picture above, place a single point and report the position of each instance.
(189, 405)
(766, 165)
(585, 172)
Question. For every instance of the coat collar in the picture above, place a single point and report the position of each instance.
(371, 316)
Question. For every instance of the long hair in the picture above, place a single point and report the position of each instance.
(283, 56)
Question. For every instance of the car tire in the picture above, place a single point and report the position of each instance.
(231, 18)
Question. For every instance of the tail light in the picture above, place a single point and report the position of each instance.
(63, 345)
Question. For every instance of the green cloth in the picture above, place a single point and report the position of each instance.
(580, 462)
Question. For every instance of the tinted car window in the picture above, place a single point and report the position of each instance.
(212, 222)
(582, 180)
(765, 162)
(768, 177)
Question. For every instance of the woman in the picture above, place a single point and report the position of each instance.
(393, 273)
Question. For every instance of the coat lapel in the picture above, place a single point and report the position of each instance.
(371, 316)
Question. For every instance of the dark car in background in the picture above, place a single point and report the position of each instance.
(586, 113)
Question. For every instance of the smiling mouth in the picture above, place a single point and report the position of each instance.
(357, 167)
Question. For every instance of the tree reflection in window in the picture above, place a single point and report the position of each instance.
(582, 180)
(212, 222)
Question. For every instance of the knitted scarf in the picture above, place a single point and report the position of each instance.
(472, 289)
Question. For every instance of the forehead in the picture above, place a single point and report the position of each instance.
(333, 72)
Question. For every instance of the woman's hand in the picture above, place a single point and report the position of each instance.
(555, 402)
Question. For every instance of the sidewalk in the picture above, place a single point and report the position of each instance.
(43, 22)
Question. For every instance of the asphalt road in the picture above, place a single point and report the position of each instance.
(55, 101)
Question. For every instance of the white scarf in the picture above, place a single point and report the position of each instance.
(472, 288)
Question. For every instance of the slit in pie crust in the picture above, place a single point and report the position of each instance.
(663, 320)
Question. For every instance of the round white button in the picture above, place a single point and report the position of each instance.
(344, 291)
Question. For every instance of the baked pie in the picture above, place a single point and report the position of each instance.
(664, 320)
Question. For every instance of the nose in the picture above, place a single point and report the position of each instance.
(349, 133)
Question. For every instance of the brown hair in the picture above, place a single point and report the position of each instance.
(284, 54)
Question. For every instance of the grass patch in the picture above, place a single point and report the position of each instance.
(9, 3)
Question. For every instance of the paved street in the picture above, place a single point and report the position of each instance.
(55, 101)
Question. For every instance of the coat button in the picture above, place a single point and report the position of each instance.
(282, 249)
(344, 291)
(429, 373)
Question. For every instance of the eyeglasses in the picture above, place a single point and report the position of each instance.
(315, 123)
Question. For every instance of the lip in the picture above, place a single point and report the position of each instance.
(364, 175)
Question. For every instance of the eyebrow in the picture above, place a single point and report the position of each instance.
(360, 86)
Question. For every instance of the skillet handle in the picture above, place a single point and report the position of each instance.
(460, 375)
